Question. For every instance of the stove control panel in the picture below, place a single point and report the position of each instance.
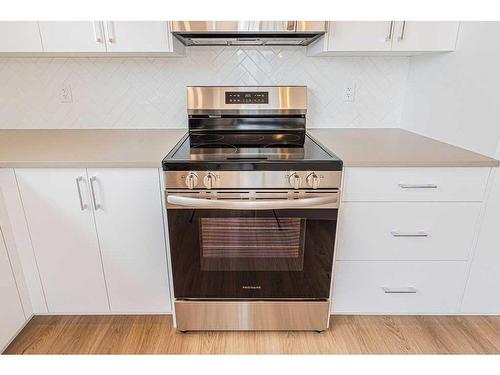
(254, 180)
(247, 97)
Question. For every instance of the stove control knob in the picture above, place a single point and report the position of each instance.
(295, 181)
(313, 180)
(209, 180)
(191, 180)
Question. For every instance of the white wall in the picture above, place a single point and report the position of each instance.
(455, 97)
(150, 92)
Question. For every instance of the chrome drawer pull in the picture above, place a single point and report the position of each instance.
(402, 35)
(388, 38)
(83, 205)
(97, 35)
(409, 290)
(417, 186)
(419, 234)
(97, 205)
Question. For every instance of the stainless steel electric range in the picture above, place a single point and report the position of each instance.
(252, 203)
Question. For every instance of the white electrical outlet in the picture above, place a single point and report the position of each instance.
(65, 94)
(349, 93)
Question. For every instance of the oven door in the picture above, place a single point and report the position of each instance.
(252, 245)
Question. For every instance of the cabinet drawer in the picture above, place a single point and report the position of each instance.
(415, 184)
(406, 231)
(398, 287)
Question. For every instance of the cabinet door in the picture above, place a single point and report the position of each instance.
(481, 293)
(137, 36)
(20, 36)
(407, 231)
(397, 287)
(11, 311)
(130, 227)
(72, 36)
(425, 36)
(64, 239)
(359, 36)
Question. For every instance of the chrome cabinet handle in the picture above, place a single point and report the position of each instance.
(402, 35)
(97, 205)
(418, 186)
(97, 35)
(110, 31)
(419, 234)
(388, 38)
(408, 290)
(83, 205)
(271, 204)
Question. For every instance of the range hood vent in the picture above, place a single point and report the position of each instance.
(247, 33)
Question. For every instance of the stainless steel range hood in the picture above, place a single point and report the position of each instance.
(248, 33)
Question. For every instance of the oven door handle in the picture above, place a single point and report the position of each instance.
(264, 204)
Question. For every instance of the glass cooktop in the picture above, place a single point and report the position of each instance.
(250, 151)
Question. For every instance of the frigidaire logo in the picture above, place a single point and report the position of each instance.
(251, 287)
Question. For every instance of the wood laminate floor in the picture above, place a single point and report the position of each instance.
(149, 334)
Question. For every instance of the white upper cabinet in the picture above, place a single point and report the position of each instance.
(399, 37)
(20, 36)
(128, 213)
(61, 223)
(425, 36)
(109, 36)
(138, 36)
(72, 36)
(359, 36)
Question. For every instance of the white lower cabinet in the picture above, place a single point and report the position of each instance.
(98, 238)
(61, 223)
(398, 287)
(415, 184)
(130, 229)
(481, 294)
(407, 231)
(11, 311)
(406, 239)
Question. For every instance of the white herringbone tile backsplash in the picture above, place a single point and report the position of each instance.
(150, 92)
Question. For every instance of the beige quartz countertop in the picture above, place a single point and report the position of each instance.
(86, 148)
(395, 148)
(147, 148)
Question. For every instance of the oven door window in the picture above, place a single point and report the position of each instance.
(252, 243)
(252, 254)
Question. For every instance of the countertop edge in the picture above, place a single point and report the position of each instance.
(80, 164)
(390, 164)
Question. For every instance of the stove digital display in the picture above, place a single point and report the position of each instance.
(247, 97)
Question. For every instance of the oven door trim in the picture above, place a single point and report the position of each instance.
(252, 200)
